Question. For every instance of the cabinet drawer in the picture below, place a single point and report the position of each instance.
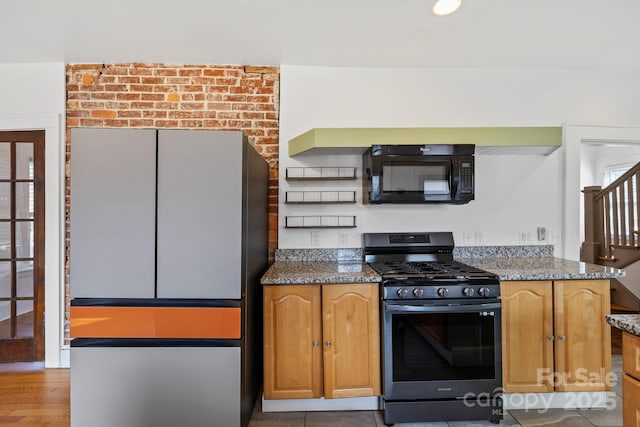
(631, 354)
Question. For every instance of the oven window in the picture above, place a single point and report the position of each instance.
(422, 178)
(437, 346)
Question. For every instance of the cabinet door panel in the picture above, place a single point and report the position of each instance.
(631, 354)
(292, 362)
(630, 401)
(199, 214)
(582, 347)
(113, 187)
(351, 335)
(527, 325)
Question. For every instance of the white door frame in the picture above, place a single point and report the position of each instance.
(574, 135)
(54, 229)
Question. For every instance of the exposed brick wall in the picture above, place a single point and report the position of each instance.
(216, 97)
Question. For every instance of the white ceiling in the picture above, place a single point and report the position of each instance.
(370, 33)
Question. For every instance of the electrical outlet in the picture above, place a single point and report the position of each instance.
(343, 239)
(542, 234)
(315, 238)
(479, 238)
(525, 236)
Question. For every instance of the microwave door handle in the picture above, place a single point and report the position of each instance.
(458, 308)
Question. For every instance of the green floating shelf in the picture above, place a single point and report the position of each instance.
(488, 140)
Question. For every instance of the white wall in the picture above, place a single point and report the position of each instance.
(34, 97)
(513, 193)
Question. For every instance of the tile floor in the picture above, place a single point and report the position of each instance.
(611, 417)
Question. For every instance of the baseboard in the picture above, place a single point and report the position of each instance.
(345, 404)
(65, 357)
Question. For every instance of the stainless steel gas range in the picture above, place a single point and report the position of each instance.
(441, 332)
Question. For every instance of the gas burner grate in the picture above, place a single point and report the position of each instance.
(427, 269)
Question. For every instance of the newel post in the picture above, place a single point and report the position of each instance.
(593, 225)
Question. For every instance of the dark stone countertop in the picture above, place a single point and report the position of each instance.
(625, 322)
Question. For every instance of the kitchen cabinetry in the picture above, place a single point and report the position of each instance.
(321, 341)
(555, 337)
(630, 380)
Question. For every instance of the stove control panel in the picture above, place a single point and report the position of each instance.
(408, 291)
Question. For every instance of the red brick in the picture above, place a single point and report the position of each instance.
(142, 105)
(166, 72)
(115, 87)
(152, 96)
(128, 96)
(213, 72)
(191, 123)
(140, 71)
(128, 79)
(215, 124)
(191, 88)
(242, 89)
(104, 114)
(116, 123)
(190, 72)
(155, 114)
(141, 123)
(151, 80)
(181, 114)
(166, 123)
(103, 95)
(141, 88)
(129, 114)
(218, 89)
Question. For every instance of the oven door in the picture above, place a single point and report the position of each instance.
(441, 350)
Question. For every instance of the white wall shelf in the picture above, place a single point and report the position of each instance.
(320, 173)
(320, 221)
(319, 197)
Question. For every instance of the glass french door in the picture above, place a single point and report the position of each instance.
(21, 246)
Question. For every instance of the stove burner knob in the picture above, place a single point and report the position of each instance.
(403, 293)
(442, 292)
(468, 292)
(417, 292)
(484, 292)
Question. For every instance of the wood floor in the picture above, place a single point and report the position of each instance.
(33, 396)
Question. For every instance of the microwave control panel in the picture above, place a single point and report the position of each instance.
(466, 177)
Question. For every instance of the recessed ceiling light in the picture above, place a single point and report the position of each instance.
(445, 7)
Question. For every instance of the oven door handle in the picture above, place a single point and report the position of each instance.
(458, 308)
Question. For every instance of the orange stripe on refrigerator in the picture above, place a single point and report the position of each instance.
(155, 322)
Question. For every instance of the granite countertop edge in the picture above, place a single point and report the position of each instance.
(338, 266)
(625, 322)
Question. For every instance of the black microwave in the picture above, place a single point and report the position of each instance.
(432, 173)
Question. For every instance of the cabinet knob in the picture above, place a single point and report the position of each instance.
(328, 343)
(562, 338)
(551, 337)
(316, 343)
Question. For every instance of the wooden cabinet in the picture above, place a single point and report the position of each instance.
(321, 341)
(555, 337)
(630, 380)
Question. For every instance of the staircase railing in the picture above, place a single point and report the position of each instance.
(612, 216)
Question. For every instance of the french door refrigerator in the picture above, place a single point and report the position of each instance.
(168, 240)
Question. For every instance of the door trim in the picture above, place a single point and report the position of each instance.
(54, 228)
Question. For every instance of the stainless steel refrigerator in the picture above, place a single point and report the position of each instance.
(168, 240)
